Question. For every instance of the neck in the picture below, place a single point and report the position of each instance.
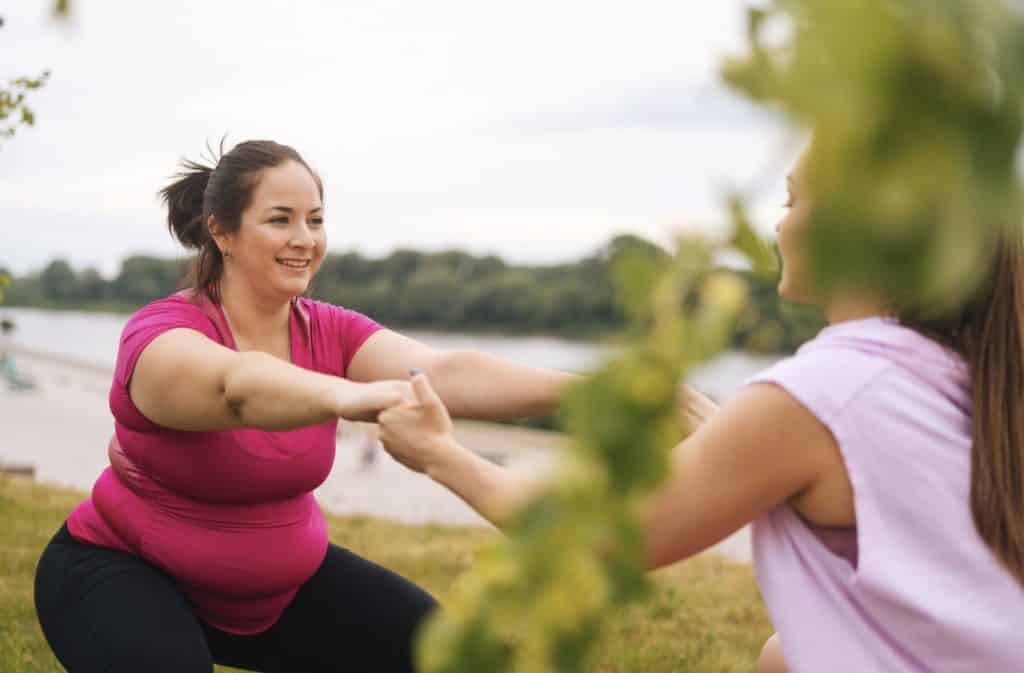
(252, 317)
(846, 308)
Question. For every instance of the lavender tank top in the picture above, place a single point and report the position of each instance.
(923, 593)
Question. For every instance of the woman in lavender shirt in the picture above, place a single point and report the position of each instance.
(882, 469)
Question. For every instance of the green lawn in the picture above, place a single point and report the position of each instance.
(705, 617)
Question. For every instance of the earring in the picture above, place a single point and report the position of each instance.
(227, 253)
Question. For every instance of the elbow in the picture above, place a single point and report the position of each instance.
(664, 544)
(445, 371)
(658, 554)
(236, 385)
(658, 557)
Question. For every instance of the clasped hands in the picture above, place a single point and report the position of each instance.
(417, 429)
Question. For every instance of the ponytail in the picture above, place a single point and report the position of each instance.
(184, 201)
(187, 215)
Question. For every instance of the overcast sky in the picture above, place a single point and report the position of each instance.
(535, 129)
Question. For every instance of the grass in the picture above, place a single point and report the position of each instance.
(706, 616)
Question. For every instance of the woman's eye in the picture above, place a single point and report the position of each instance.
(279, 220)
(317, 221)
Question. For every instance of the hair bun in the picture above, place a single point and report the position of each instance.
(184, 200)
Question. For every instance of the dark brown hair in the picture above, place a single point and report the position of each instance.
(988, 332)
(222, 190)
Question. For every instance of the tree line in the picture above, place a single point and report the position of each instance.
(451, 290)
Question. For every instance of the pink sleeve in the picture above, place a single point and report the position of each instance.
(341, 331)
(356, 328)
(148, 323)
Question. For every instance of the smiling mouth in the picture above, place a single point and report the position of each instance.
(295, 263)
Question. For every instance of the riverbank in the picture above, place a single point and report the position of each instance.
(62, 427)
(705, 616)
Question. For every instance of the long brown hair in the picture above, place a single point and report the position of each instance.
(988, 332)
(222, 190)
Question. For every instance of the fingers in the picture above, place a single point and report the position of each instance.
(408, 395)
(425, 393)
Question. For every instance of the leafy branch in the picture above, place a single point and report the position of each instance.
(14, 110)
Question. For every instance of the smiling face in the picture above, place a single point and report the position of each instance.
(280, 242)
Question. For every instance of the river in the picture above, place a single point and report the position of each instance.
(92, 338)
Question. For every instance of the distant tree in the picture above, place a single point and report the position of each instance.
(91, 286)
(144, 279)
(58, 281)
(432, 295)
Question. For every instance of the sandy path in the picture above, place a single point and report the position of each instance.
(62, 428)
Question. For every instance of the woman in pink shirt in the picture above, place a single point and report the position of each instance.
(882, 468)
(202, 542)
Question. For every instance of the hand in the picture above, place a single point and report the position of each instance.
(365, 401)
(694, 408)
(418, 434)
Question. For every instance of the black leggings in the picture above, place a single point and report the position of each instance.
(104, 611)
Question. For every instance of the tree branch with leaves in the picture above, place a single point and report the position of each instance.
(14, 108)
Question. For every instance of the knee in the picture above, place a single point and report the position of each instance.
(771, 660)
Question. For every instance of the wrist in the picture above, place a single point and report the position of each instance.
(450, 461)
(342, 397)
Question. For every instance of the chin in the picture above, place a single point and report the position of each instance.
(787, 293)
(782, 289)
(292, 289)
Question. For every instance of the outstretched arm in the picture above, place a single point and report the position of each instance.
(185, 381)
(470, 384)
(757, 452)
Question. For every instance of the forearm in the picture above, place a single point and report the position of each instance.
(478, 385)
(490, 489)
(265, 392)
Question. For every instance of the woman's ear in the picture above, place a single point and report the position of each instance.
(216, 234)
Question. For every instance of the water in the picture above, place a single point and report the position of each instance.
(93, 337)
(69, 418)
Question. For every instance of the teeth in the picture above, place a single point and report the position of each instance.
(295, 264)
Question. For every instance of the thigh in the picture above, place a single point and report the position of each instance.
(104, 610)
(352, 616)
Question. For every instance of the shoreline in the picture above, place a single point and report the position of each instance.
(587, 338)
(61, 429)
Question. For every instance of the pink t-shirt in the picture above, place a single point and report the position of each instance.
(923, 592)
(229, 514)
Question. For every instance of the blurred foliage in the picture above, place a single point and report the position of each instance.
(536, 600)
(456, 291)
(916, 107)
